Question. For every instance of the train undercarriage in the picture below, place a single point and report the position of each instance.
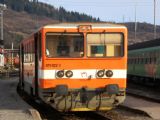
(64, 99)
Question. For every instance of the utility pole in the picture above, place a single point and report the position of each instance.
(2, 8)
(123, 18)
(36, 15)
(2, 25)
(154, 19)
(12, 59)
(135, 32)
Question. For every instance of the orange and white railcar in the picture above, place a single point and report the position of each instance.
(76, 66)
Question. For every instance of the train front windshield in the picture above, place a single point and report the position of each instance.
(105, 45)
(64, 45)
(72, 45)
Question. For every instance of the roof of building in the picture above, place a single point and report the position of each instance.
(147, 44)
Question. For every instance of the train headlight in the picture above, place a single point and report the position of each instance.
(109, 73)
(69, 74)
(60, 73)
(100, 73)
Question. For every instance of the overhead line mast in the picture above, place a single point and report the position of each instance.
(154, 19)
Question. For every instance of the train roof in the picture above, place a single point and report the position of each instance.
(147, 44)
(75, 25)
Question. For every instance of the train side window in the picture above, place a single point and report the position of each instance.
(146, 59)
(135, 60)
(140, 60)
(154, 60)
(40, 45)
(31, 51)
(25, 53)
(132, 61)
(28, 57)
(28, 52)
(143, 60)
(129, 61)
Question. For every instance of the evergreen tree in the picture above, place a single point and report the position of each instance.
(43, 9)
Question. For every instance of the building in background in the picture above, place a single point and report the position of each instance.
(2, 8)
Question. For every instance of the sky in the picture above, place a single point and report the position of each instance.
(113, 10)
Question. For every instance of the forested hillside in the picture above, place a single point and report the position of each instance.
(24, 17)
(145, 32)
(43, 9)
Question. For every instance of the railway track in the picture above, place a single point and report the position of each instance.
(9, 74)
(48, 113)
(134, 93)
(144, 100)
(144, 92)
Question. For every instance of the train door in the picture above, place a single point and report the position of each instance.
(37, 40)
(21, 77)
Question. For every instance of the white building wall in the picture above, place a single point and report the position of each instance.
(1, 60)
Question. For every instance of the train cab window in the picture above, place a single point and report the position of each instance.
(131, 61)
(135, 60)
(64, 45)
(142, 59)
(25, 53)
(105, 45)
(146, 60)
(154, 60)
(98, 50)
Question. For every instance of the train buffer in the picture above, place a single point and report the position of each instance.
(138, 104)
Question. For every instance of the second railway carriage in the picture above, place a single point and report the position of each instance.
(144, 62)
(76, 66)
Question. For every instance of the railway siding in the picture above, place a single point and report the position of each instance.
(139, 104)
(12, 107)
